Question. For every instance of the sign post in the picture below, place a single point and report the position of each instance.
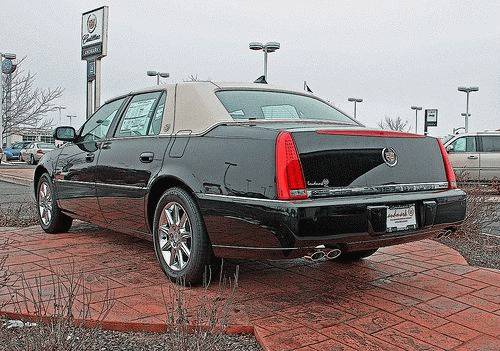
(94, 43)
(431, 119)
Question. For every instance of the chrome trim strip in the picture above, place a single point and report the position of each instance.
(98, 183)
(378, 189)
(233, 197)
(261, 248)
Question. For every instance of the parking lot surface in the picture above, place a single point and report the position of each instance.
(418, 296)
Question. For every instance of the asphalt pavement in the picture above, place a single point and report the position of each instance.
(14, 193)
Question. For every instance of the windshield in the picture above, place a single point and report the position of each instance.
(269, 105)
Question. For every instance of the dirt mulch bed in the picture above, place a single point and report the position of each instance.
(478, 250)
(41, 338)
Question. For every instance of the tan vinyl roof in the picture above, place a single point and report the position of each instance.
(197, 108)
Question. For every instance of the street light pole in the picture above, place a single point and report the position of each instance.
(158, 75)
(269, 47)
(467, 90)
(70, 119)
(8, 56)
(60, 108)
(416, 108)
(355, 100)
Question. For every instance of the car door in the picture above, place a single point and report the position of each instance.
(489, 157)
(75, 170)
(129, 158)
(464, 157)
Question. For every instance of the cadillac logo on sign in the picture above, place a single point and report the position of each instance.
(94, 33)
(91, 23)
(389, 156)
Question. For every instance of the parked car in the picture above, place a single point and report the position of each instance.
(22, 152)
(475, 156)
(36, 150)
(208, 170)
(14, 152)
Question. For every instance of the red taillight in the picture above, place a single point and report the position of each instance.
(290, 183)
(39, 151)
(450, 174)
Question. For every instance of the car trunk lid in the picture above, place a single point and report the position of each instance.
(353, 161)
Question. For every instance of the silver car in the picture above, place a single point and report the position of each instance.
(35, 151)
(475, 156)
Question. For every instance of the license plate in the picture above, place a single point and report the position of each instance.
(401, 218)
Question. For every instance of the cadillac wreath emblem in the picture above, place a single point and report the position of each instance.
(389, 156)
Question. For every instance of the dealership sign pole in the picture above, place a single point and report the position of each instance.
(94, 42)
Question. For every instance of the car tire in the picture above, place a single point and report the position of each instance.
(356, 255)
(50, 217)
(180, 238)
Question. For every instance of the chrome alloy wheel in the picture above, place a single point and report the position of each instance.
(174, 229)
(45, 203)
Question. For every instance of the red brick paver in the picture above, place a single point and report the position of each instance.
(418, 296)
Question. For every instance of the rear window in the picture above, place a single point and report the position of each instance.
(46, 146)
(269, 105)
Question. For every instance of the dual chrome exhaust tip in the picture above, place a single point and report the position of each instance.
(320, 253)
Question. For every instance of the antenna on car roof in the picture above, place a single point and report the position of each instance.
(261, 79)
(306, 87)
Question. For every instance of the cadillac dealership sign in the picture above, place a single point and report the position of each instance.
(94, 40)
(94, 43)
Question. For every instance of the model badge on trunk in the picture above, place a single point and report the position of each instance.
(389, 156)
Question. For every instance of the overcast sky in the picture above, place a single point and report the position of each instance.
(393, 54)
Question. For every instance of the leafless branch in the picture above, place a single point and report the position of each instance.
(397, 124)
(28, 104)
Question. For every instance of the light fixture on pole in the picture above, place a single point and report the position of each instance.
(416, 108)
(71, 119)
(10, 57)
(269, 47)
(59, 108)
(158, 75)
(355, 100)
(467, 90)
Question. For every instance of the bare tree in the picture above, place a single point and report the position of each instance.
(28, 104)
(192, 78)
(394, 124)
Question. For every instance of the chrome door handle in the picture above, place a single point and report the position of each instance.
(146, 157)
(472, 157)
(106, 145)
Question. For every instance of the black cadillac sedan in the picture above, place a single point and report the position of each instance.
(208, 170)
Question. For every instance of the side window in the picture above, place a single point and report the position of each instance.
(135, 120)
(491, 143)
(97, 126)
(155, 127)
(465, 144)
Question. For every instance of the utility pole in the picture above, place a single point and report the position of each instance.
(416, 108)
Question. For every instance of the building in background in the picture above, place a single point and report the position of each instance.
(33, 134)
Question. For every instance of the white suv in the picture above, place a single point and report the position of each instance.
(475, 156)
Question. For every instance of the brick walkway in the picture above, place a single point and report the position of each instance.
(419, 296)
